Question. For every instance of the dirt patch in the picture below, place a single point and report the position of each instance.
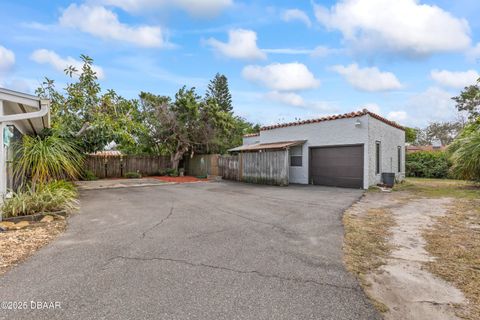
(178, 179)
(410, 291)
(17, 245)
(455, 242)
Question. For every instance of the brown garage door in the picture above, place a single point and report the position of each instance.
(339, 166)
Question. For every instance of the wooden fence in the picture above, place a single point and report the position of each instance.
(118, 166)
(229, 167)
(269, 167)
(203, 165)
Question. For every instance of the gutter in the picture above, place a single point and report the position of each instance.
(44, 108)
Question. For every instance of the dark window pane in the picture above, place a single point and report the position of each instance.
(296, 161)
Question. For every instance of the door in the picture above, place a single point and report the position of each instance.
(337, 166)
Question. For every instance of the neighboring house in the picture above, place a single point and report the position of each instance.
(20, 114)
(348, 150)
(435, 146)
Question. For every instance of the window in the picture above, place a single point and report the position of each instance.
(377, 157)
(399, 162)
(296, 156)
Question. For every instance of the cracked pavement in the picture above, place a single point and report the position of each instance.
(219, 250)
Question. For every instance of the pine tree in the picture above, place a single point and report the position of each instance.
(218, 90)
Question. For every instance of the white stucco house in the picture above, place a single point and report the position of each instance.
(347, 150)
(20, 114)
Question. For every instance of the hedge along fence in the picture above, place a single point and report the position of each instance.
(118, 166)
(427, 164)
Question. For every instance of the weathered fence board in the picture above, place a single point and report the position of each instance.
(256, 167)
(265, 167)
(229, 167)
(203, 165)
(118, 166)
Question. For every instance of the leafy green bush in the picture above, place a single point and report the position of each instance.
(171, 172)
(88, 175)
(133, 175)
(427, 164)
(51, 197)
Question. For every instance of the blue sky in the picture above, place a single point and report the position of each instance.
(285, 60)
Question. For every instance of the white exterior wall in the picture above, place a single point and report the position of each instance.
(390, 139)
(326, 133)
(251, 140)
(343, 132)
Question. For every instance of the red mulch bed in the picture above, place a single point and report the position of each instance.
(178, 179)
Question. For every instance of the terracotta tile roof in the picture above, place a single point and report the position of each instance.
(256, 134)
(107, 153)
(335, 117)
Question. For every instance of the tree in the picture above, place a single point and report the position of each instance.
(219, 92)
(469, 100)
(446, 132)
(176, 125)
(411, 134)
(87, 115)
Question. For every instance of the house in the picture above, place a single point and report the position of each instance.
(20, 114)
(434, 147)
(347, 150)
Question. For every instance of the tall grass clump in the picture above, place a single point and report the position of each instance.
(43, 159)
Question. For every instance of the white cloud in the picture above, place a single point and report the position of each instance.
(397, 116)
(298, 15)
(282, 77)
(7, 59)
(104, 23)
(373, 107)
(317, 52)
(368, 79)
(60, 64)
(455, 79)
(197, 8)
(401, 26)
(289, 98)
(433, 104)
(242, 44)
(473, 54)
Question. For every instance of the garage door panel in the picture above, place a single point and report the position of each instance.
(340, 166)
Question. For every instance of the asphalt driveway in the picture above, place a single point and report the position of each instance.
(195, 251)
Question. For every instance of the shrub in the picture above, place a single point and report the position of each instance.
(46, 158)
(53, 196)
(171, 172)
(427, 164)
(88, 175)
(132, 175)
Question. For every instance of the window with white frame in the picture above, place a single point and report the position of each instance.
(296, 156)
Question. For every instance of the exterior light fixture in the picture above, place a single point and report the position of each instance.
(358, 123)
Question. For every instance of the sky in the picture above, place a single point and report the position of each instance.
(285, 60)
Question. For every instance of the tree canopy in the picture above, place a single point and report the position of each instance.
(85, 114)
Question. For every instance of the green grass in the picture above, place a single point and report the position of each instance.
(437, 188)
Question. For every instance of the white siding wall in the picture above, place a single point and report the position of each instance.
(251, 140)
(334, 132)
(390, 139)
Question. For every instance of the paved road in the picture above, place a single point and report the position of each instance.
(196, 251)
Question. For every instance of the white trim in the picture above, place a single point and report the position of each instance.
(19, 97)
(44, 107)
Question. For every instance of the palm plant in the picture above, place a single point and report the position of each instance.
(466, 154)
(44, 159)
